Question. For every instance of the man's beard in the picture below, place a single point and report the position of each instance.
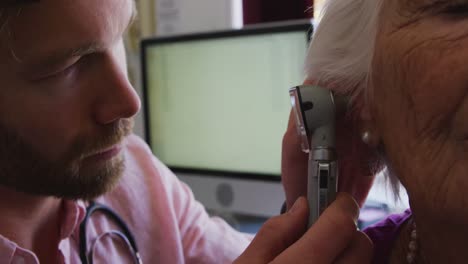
(25, 170)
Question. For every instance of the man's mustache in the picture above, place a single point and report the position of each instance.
(109, 136)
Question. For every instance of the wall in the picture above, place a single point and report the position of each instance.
(188, 16)
(257, 11)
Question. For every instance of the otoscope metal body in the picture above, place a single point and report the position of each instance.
(314, 110)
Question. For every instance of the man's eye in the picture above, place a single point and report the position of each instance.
(67, 69)
(61, 72)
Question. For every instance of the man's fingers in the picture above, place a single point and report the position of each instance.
(276, 235)
(293, 164)
(358, 252)
(294, 161)
(328, 237)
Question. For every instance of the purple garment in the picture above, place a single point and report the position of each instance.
(384, 234)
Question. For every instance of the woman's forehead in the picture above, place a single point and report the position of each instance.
(428, 3)
(411, 4)
(414, 9)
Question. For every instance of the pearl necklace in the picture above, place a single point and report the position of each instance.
(413, 245)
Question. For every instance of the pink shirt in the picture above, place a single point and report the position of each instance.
(169, 225)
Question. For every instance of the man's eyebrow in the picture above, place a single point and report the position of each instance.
(57, 57)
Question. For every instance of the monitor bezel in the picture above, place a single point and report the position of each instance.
(260, 29)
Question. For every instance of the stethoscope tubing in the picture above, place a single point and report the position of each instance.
(92, 208)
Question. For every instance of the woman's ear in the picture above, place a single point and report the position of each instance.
(370, 134)
(308, 81)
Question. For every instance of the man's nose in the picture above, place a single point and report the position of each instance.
(117, 99)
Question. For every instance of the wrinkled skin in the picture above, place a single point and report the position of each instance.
(419, 108)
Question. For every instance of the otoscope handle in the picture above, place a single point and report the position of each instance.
(322, 181)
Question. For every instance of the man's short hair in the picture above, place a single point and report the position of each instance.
(13, 3)
(8, 7)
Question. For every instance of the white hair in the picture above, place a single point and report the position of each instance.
(342, 47)
(341, 52)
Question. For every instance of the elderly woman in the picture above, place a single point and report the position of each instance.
(403, 62)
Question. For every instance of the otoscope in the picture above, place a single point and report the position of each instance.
(314, 110)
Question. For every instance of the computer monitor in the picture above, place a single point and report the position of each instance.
(216, 108)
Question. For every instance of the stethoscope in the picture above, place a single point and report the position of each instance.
(125, 234)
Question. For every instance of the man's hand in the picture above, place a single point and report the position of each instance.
(332, 239)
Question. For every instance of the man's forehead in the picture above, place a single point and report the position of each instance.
(50, 25)
(71, 11)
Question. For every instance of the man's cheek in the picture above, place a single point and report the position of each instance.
(49, 144)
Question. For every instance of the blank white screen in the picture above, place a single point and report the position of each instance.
(223, 103)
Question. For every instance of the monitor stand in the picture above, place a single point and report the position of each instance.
(239, 196)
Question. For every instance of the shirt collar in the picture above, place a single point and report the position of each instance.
(7, 249)
(74, 213)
